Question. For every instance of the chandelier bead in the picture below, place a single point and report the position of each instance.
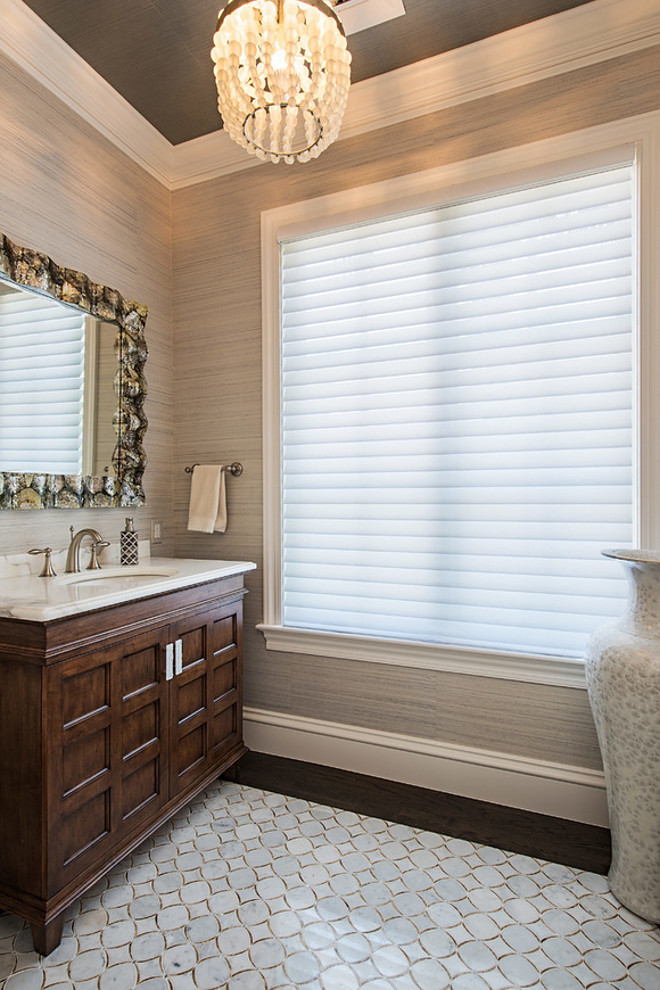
(271, 57)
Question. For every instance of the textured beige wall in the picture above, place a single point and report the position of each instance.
(217, 313)
(68, 192)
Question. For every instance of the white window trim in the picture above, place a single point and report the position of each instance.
(591, 148)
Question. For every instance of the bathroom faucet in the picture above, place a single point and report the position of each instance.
(73, 556)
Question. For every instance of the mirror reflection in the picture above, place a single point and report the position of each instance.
(59, 385)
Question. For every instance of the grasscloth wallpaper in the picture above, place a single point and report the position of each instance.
(68, 192)
(193, 257)
(217, 318)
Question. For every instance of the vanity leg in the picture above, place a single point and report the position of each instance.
(47, 937)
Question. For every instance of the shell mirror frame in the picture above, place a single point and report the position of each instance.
(26, 269)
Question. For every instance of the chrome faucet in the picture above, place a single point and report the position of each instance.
(73, 556)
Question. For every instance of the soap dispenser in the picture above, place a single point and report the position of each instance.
(128, 544)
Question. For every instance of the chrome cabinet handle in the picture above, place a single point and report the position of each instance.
(169, 661)
(178, 656)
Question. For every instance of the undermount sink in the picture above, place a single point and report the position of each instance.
(133, 574)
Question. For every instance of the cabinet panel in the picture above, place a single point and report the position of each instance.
(85, 759)
(140, 728)
(191, 692)
(141, 669)
(225, 728)
(84, 692)
(142, 787)
(192, 634)
(84, 827)
(225, 632)
(191, 753)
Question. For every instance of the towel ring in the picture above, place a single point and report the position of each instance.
(236, 469)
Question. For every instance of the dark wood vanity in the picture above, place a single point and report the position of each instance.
(110, 721)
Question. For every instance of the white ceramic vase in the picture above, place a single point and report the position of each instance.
(623, 680)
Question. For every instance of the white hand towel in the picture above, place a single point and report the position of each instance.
(208, 499)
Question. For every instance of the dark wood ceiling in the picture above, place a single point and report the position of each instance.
(155, 53)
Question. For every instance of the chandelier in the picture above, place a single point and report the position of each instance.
(282, 71)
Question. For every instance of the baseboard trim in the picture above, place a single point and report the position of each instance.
(540, 786)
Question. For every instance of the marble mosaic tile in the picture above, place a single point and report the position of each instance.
(250, 890)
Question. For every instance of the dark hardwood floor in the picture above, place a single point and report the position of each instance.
(586, 847)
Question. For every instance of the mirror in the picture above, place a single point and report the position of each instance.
(72, 388)
(58, 387)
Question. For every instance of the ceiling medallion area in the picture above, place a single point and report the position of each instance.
(282, 71)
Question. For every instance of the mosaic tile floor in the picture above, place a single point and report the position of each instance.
(249, 890)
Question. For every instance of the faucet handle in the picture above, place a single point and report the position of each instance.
(96, 548)
(48, 569)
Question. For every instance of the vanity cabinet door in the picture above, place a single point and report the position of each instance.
(143, 735)
(109, 775)
(205, 694)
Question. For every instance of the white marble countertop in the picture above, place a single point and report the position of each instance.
(25, 595)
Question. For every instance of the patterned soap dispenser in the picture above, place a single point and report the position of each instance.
(128, 544)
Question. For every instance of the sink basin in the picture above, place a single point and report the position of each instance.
(126, 576)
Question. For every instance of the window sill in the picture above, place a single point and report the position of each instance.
(555, 671)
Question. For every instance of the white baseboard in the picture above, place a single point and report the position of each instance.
(557, 789)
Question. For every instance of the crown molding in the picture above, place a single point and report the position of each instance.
(32, 45)
(208, 157)
(595, 32)
(358, 15)
(574, 39)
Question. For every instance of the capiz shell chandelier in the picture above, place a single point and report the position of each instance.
(283, 72)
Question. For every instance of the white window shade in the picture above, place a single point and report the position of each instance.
(457, 436)
(41, 384)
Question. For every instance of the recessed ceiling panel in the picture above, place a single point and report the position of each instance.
(156, 53)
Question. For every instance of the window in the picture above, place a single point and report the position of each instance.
(457, 431)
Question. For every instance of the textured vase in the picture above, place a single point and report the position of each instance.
(623, 680)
